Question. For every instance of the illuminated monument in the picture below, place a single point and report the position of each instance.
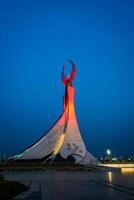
(63, 142)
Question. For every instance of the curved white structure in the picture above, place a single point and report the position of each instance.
(63, 140)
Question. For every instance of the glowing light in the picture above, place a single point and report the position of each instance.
(71, 109)
(117, 165)
(19, 155)
(59, 143)
(110, 177)
(108, 151)
(114, 159)
(127, 170)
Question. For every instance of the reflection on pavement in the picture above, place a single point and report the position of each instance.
(110, 177)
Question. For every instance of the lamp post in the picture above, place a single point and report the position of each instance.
(108, 151)
(108, 154)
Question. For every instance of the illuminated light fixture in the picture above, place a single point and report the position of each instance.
(114, 159)
(108, 151)
(19, 155)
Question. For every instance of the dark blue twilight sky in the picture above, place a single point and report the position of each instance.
(36, 37)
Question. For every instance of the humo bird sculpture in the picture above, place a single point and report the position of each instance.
(63, 141)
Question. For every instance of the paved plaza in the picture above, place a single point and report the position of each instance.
(74, 185)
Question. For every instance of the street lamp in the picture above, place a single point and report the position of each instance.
(108, 151)
(108, 154)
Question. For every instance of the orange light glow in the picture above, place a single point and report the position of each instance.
(71, 109)
(117, 165)
(127, 170)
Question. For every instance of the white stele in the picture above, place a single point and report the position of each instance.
(63, 138)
